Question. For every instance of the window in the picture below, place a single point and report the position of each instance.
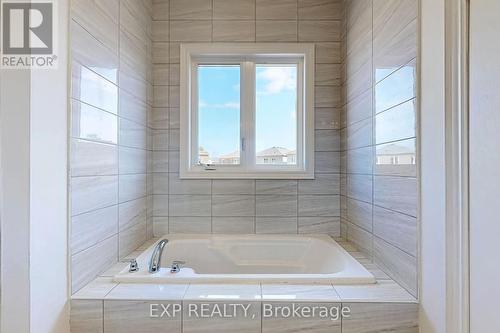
(247, 111)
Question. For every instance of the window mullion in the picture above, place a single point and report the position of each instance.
(248, 115)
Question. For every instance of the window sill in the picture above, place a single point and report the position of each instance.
(246, 175)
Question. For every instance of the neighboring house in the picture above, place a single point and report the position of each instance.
(203, 156)
(291, 157)
(395, 154)
(273, 155)
(231, 158)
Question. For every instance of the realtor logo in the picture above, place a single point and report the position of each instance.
(28, 34)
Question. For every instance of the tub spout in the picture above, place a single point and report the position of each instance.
(155, 261)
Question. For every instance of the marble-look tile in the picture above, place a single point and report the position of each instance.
(403, 152)
(190, 9)
(319, 31)
(160, 183)
(360, 160)
(91, 228)
(161, 74)
(134, 55)
(276, 9)
(132, 187)
(187, 186)
(327, 118)
(397, 88)
(161, 31)
(276, 225)
(148, 291)
(90, 123)
(131, 238)
(221, 292)
(328, 53)
(381, 317)
(327, 140)
(189, 225)
(174, 96)
(360, 108)
(328, 74)
(396, 193)
(233, 225)
(134, 316)
(319, 205)
(299, 293)
(132, 134)
(90, 193)
(160, 118)
(86, 316)
(276, 31)
(234, 31)
(276, 205)
(361, 238)
(190, 205)
(360, 187)
(321, 9)
(276, 187)
(327, 162)
(89, 51)
(137, 87)
(99, 18)
(112, 271)
(173, 161)
(359, 79)
(132, 108)
(174, 118)
(233, 186)
(327, 97)
(319, 225)
(161, 10)
(87, 264)
(161, 53)
(132, 160)
(93, 159)
(246, 318)
(234, 9)
(321, 184)
(233, 205)
(360, 214)
(360, 134)
(190, 31)
(397, 264)
(97, 289)
(160, 226)
(382, 291)
(160, 162)
(91, 88)
(160, 205)
(135, 17)
(395, 228)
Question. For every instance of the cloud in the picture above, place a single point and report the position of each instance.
(277, 79)
(228, 105)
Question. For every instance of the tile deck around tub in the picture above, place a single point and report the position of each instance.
(385, 290)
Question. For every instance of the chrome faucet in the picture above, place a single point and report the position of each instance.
(155, 261)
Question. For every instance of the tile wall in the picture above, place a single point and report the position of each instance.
(379, 171)
(246, 206)
(111, 96)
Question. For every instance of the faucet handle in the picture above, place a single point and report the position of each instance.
(176, 266)
(134, 266)
(178, 262)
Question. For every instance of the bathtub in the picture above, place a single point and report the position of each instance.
(250, 259)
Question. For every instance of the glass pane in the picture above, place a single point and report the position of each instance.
(276, 114)
(219, 114)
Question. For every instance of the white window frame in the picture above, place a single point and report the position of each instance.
(246, 55)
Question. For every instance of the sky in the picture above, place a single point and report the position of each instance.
(219, 108)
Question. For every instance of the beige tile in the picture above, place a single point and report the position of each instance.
(319, 225)
(97, 289)
(188, 186)
(135, 55)
(360, 160)
(361, 238)
(161, 31)
(327, 140)
(160, 118)
(328, 53)
(99, 17)
(359, 79)
(234, 31)
(276, 225)
(233, 205)
(90, 193)
(137, 87)
(159, 139)
(360, 134)
(113, 270)
(234, 9)
(233, 225)
(93, 158)
(321, 184)
(174, 95)
(319, 205)
(174, 79)
(190, 31)
(382, 291)
(276, 9)
(131, 238)
(160, 183)
(360, 108)
(161, 74)
(396, 193)
(327, 118)
(88, 264)
(133, 108)
(327, 96)
(276, 31)
(160, 205)
(360, 214)
(381, 317)
(276, 205)
(88, 51)
(328, 75)
(132, 160)
(132, 187)
(132, 134)
(135, 17)
(312, 323)
(91, 228)
(160, 96)
(189, 225)
(86, 316)
(233, 186)
(219, 292)
(160, 226)
(161, 53)
(147, 291)
(397, 229)
(276, 186)
(133, 316)
(327, 162)
(161, 10)
(359, 187)
(321, 9)
(190, 9)
(397, 264)
(319, 31)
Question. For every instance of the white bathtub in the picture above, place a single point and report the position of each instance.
(251, 258)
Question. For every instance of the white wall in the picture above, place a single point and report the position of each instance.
(432, 125)
(33, 197)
